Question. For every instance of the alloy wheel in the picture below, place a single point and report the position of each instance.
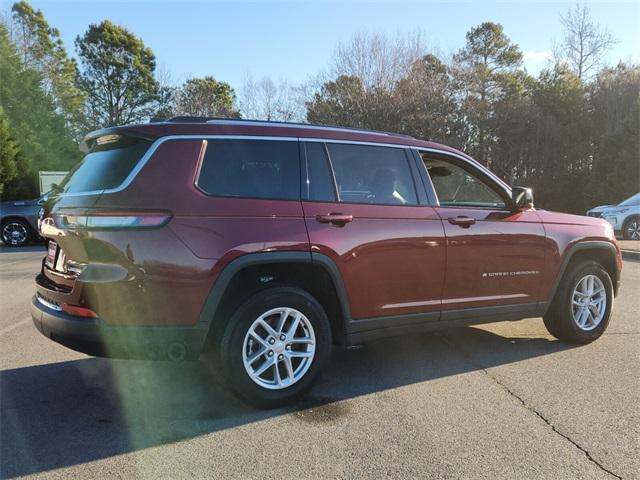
(633, 230)
(14, 233)
(589, 302)
(279, 348)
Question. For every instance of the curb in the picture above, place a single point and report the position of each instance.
(630, 255)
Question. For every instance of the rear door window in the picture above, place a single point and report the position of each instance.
(106, 165)
(371, 174)
(251, 169)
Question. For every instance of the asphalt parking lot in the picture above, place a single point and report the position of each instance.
(503, 400)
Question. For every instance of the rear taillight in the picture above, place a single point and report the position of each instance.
(75, 310)
(78, 311)
(93, 219)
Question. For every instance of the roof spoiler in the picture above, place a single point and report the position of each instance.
(88, 141)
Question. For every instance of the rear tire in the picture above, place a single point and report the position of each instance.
(16, 233)
(581, 309)
(263, 335)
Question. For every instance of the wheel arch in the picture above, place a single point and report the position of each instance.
(12, 216)
(244, 276)
(604, 253)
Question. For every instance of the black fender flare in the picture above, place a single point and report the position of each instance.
(586, 245)
(212, 302)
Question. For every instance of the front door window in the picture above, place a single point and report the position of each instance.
(457, 187)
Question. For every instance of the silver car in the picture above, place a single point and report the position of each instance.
(623, 217)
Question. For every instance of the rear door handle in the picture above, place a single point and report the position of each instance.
(335, 218)
(464, 222)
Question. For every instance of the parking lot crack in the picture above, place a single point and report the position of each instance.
(521, 400)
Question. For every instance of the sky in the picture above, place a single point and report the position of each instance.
(294, 40)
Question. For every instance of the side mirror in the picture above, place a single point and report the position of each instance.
(521, 198)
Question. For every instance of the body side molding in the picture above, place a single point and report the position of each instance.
(364, 330)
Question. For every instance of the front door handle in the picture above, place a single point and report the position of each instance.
(335, 218)
(464, 222)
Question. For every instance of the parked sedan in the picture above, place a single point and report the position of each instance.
(624, 217)
(19, 221)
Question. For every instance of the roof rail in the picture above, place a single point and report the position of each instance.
(243, 121)
(189, 119)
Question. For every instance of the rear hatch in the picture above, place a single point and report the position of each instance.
(110, 162)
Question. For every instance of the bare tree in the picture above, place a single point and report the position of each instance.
(379, 61)
(168, 88)
(266, 100)
(585, 42)
(360, 86)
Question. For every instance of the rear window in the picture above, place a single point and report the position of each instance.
(106, 165)
(251, 168)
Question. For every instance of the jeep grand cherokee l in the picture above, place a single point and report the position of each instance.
(267, 243)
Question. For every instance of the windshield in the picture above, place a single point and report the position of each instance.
(106, 165)
(631, 201)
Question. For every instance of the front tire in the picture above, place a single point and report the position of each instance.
(16, 233)
(581, 309)
(275, 346)
(631, 229)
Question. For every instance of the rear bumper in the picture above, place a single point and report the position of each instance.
(95, 337)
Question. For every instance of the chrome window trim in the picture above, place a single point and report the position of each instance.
(154, 146)
(473, 163)
(355, 142)
(159, 141)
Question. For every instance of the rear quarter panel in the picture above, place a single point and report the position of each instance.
(180, 262)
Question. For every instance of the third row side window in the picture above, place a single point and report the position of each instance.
(251, 168)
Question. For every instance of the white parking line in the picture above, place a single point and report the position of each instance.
(14, 326)
(4, 264)
(14, 251)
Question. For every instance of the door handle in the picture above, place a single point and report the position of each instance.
(464, 222)
(335, 218)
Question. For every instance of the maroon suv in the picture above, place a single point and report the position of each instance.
(266, 243)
